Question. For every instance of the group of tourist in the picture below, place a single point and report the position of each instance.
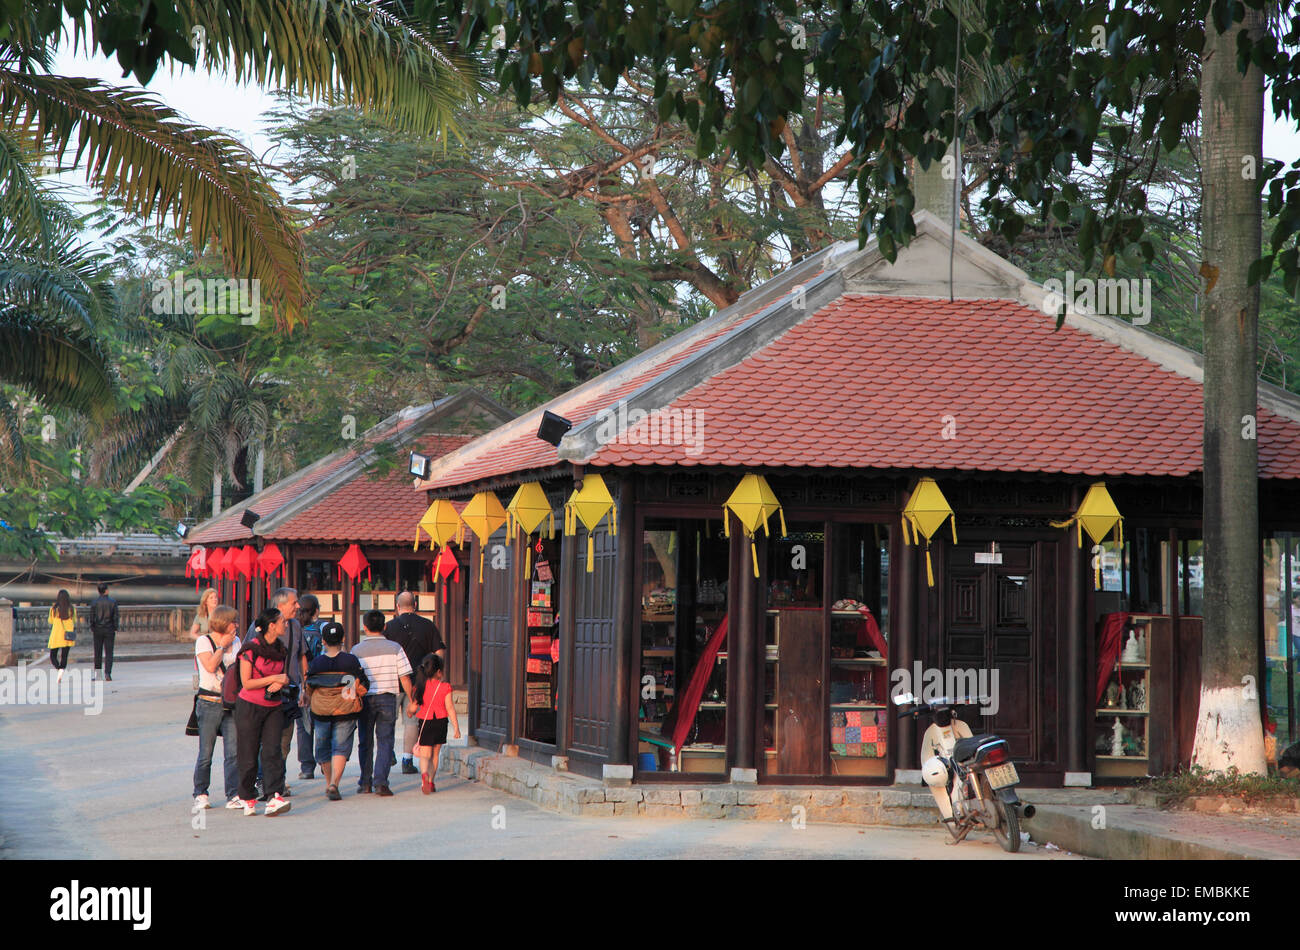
(290, 674)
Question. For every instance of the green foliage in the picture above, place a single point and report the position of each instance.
(1175, 789)
(743, 69)
(61, 504)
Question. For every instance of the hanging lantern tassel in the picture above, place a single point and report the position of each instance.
(753, 502)
(1098, 515)
(924, 514)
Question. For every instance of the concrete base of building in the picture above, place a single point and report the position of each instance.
(1078, 780)
(573, 794)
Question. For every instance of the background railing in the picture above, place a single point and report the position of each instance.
(135, 624)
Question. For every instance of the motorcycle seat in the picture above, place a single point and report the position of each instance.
(964, 750)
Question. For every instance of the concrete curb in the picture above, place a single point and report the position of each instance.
(1071, 829)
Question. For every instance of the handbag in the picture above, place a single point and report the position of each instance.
(339, 699)
(192, 727)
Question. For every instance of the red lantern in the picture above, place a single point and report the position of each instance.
(197, 565)
(217, 563)
(353, 562)
(246, 561)
(445, 565)
(271, 562)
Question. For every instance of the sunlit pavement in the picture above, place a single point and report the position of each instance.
(117, 785)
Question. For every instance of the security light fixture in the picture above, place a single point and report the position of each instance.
(249, 518)
(553, 428)
(420, 465)
(182, 529)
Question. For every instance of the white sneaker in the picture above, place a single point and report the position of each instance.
(201, 801)
(276, 806)
(250, 808)
(234, 804)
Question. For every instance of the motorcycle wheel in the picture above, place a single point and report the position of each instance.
(1008, 828)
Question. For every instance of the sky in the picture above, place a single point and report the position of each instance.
(216, 101)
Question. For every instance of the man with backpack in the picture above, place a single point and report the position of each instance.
(418, 637)
(103, 628)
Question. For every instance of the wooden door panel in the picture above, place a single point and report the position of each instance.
(800, 712)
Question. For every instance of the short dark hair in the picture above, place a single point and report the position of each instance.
(103, 588)
(374, 621)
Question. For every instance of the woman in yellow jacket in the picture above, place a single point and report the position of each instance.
(63, 624)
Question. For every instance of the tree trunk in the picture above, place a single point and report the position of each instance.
(1228, 728)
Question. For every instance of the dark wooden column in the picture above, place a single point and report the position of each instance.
(567, 602)
(1075, 694)
(471, 575)
(518, 632)
(744, 641)
(627, 607)
(905, 647)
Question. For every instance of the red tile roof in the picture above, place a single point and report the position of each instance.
(367, 510)
(332, 472)
(226, 526)
(867, 382)
(523, 451)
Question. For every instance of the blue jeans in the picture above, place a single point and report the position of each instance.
(306, 746)
(333, 737)
(378, 719)
(214, 720)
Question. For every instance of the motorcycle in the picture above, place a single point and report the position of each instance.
(972, 778)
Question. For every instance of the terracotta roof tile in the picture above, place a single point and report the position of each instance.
(867, 382)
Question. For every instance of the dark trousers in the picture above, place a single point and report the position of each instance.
(258, 730)
(104, 649)
(59, 658)
(378, 719)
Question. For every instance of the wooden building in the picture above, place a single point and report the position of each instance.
(649, 640)
(316, 514)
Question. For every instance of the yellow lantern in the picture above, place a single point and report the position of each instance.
(925, 512)
(589, 504)
(527, 510)
(753, 502)
(441, 523)
(484, 515)
(1097, 515)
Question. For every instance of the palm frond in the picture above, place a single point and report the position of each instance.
(148, 158)
(63, 362)
(339, 51)
(24, 210)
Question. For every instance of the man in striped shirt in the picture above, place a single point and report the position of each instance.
(387, 668)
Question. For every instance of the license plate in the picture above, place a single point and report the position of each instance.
(1000, 776)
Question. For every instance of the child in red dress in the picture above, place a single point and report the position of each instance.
(433, 711)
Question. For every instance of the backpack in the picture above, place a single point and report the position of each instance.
(312, 645)
(231, 683)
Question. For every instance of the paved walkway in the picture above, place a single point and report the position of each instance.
(117, 785)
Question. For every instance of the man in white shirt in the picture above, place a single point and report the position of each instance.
(214, 654)
(387, 668)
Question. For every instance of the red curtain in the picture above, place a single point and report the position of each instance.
(1112, 639)
(689, 702)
